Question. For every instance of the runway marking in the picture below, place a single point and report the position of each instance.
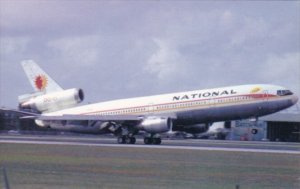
(155, 147)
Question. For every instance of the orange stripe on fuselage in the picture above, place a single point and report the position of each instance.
(254, 97)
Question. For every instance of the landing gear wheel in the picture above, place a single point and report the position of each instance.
(126, 140)
(148, 140)
(132, 140)
(121, 140)
(156, 140)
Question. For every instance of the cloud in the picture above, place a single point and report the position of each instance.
(248, 31)
(80, 51)
(12, 45)
(166, 62)
(283, 69)
(32, 16)
(149, 47)
(280, 65)
(227, 19)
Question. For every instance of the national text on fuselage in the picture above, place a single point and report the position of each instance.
(204, 95)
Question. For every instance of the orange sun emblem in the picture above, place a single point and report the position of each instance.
(256, 89)
(41, 82)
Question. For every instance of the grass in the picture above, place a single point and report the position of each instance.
(55, 166)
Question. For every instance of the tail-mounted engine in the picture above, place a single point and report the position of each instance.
(51, 101)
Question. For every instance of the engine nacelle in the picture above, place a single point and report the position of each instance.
(41, 123)
(53, 101)
(155, 125)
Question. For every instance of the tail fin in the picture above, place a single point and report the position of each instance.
(39, 79)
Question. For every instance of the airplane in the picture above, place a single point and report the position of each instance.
(218, 130)
(190, 111)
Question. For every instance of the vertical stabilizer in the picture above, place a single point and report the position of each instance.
(38, 78)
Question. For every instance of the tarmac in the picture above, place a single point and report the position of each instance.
(180, 144)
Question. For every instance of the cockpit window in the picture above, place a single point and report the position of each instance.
(284, 92)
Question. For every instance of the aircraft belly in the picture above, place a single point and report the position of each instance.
(76, 127)
(214, 113)
(224, 113)
(277, 105)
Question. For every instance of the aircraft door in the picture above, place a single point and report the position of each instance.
(212, 102)
(263, 108)
(265, 95)
(151, 108)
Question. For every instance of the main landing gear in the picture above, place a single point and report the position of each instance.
(131, 140)
(152, 139)
(126, 136)
(126, 140)
(149, 140)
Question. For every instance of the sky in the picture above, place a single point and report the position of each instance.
(122, 49)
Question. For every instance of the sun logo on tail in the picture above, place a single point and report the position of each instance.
(41, 82)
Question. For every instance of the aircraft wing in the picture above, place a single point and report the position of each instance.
(73, 117)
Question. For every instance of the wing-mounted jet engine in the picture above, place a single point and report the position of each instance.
(155, 124)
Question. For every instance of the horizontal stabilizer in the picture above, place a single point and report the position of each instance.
(26, 113)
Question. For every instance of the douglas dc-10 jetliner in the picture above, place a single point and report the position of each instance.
(191, 111)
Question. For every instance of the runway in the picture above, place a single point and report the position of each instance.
(187, 144)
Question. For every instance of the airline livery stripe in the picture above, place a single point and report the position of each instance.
(232, 101)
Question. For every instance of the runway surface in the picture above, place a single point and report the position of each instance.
(188, 144)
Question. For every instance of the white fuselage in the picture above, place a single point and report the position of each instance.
(200, 106)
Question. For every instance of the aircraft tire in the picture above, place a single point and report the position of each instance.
(157, 141)
(121, 140)
(132, 140)
(148, 140)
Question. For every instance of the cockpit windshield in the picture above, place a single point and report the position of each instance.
(284, 92)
